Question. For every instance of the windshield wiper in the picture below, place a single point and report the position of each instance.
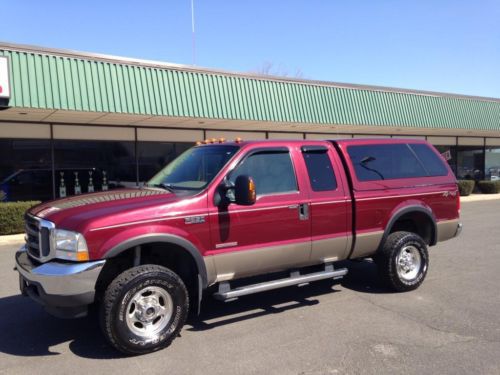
(163, 186)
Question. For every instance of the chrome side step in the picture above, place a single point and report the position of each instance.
(225, 293)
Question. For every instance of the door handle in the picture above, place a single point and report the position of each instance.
(293, 206)
(304, 211)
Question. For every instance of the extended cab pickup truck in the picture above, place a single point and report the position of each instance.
(226, 211)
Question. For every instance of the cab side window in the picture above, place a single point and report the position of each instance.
(272, 172)
(320, 170)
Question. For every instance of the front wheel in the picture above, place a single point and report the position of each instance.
(403, 261)
(144, 309)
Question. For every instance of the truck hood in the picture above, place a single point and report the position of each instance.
(87, 211)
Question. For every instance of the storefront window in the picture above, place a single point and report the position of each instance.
(492, 167)
(86, 166)
(153, 156)
(25, 170)
(470, 163)
(449, 153)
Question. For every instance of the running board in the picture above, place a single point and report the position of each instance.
(225, 293)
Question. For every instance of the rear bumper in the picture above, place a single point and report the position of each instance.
(459, 229)
(64, 289)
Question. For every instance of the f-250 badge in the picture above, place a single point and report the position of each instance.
(194, 220)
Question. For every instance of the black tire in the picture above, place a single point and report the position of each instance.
(118, 310)
(398, 278)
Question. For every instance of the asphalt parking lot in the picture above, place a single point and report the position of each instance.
(450, 325)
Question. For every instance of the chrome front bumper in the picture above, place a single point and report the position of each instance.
(58, 286)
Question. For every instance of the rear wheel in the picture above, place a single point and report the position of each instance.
(144, 309)
(403, 261)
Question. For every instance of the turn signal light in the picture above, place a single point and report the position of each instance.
(82, 256)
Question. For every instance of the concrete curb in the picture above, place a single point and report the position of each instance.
(12, 239)
(479, 198)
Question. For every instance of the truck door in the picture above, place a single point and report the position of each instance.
(270, 235)
(330, 203)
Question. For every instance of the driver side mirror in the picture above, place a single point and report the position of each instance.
(244, 191)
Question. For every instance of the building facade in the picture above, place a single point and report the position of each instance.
(73, 122)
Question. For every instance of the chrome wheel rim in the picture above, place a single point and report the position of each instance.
(408, 263)
(149, 311)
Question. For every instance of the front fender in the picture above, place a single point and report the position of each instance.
(136, 236)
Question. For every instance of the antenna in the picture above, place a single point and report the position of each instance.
(193, 33)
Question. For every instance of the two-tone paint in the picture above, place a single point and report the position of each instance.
(279, 231)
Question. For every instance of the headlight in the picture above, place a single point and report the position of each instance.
(70, 245)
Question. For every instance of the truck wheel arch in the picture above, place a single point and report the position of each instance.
(145, 239)
(406, 211)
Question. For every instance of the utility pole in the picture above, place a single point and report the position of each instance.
(193, 37)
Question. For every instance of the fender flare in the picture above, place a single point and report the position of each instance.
(166, 239)
(405, 211)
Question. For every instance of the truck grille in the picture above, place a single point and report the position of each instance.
(38, 237)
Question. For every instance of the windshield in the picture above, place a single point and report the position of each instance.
(194, 169)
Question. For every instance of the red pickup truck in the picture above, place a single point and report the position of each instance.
(224, 211)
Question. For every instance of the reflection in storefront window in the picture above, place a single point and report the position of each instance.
(25, 170)
(153, 156)
(449, 153)
(492, 163)
(90, 166)
(79, 166)
(470, 163)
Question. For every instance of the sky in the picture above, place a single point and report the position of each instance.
(438, 45)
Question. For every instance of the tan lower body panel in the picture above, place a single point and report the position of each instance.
(243, 263)
(210, 267)
(330, 249)
(367, 243)
(446, 229)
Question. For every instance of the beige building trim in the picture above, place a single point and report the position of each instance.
(409, 136)
(231, 135)
(322, 137)
(97, 133)
(286, 136)
(27, 131)
(442, 141)
(492, 141)
(370, 136)
(169, 135)
(470, 141)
